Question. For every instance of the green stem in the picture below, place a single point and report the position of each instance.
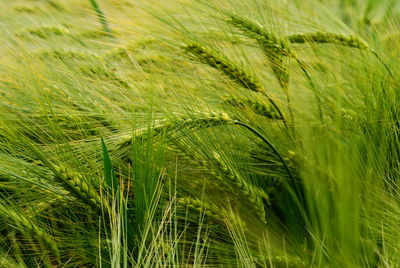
(240, 123)
(276, 108)
(383, 63)
(296, 194)
(313, 87)
(102, 18)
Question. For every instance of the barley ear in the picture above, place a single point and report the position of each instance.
(197, 121)
(221, 63)
(276, 49)
(239, 185)
(208, 209)
(76, 184)
(28, 227)
(285, 261)
(338, 39)
(224, 175)
(331, 38)
(217, 61)
(255, 106)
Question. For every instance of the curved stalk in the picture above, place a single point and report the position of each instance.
(102, 18)
(296, 195)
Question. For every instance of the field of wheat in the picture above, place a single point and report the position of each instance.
(200, 133)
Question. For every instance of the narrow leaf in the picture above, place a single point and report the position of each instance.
(109, 175)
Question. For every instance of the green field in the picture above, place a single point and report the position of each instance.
(200, 133)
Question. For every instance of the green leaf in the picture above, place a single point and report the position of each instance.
(109, 175)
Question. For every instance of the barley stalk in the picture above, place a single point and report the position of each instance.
(294, 194)
(253, 194)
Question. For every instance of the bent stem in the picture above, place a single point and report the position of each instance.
(296, 194)
(313, 87)
(383, 63)
(102, 18)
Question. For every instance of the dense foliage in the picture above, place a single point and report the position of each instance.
(243, 133)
